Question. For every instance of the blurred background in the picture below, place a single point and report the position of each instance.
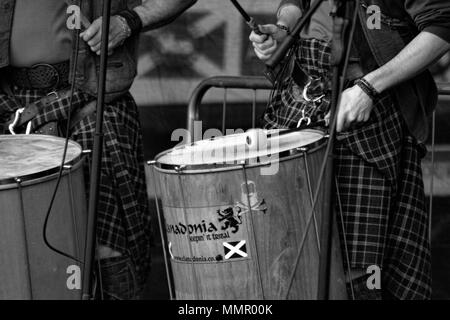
(211, 39)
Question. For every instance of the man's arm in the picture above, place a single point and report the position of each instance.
(416, 57)
(432, 18)
(419, 55)
(156, 13)
(152, 13)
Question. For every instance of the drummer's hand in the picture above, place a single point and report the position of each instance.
(266, 44)
(355, 107)
(93, 34)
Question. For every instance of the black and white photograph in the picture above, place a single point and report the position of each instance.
(225, 156)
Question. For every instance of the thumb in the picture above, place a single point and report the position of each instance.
(268, 29)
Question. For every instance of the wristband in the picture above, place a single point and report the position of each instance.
(133, 20)
(368, 89)
(125, 27)
(283, 27)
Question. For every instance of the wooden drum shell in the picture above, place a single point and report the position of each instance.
(272, 237)
(29, 269)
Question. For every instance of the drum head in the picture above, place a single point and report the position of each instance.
(234, 149)
(33, 156)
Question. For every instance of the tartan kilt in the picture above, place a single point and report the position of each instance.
(123, 219)
(380, 195)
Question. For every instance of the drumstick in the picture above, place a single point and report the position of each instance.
(249, 20)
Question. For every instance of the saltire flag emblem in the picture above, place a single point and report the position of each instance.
(235, 250)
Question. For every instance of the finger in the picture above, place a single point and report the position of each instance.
(261, 55)
(114, 39)
(96, 47)
(92, 31)
(266, 44)
(268, 29)
(266, 53)
(340, 121)
(360, 117)
(96, 39)
(327, 118)
(271, 50)
(258, 38)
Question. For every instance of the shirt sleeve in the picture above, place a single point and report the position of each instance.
(286, 3)
(431, 15)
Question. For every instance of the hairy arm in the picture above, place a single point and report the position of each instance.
(417, 56)
(153, 14)
(156, 13)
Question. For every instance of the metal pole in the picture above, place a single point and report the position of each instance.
(344, 15)
(96, 156)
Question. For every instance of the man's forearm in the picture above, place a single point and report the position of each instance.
(156, 13)
(419, 55)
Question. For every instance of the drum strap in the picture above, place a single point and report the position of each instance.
(33, 109)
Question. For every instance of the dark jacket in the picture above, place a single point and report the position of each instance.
(402, 21)
(122, 64)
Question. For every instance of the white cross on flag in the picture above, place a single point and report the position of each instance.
(235, 250)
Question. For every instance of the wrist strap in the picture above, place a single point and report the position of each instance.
(283, 27)
(368, 89)
(125, 27)
(133, 20)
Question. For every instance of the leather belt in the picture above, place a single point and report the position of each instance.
(41, 76)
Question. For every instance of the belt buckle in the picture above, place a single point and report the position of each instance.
(53, 69)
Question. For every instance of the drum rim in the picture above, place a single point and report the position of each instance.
(209, 168)
(44, 173)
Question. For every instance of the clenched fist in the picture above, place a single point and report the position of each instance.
(266, 44)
